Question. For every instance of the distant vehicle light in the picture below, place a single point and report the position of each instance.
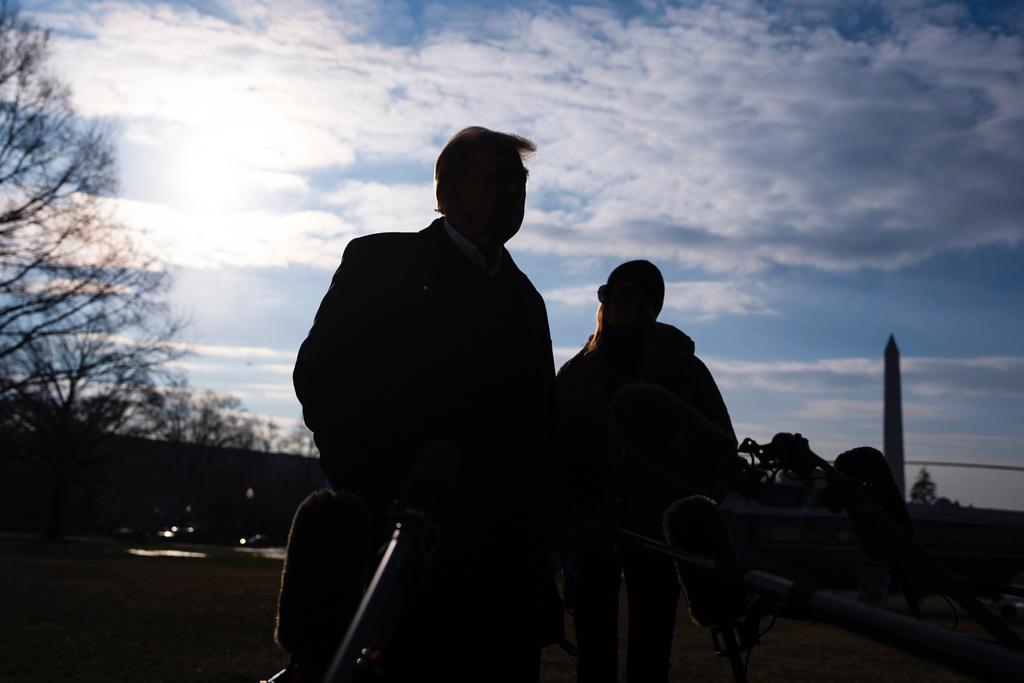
(165, 553)
(241, 541)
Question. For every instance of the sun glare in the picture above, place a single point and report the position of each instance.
(208, 173)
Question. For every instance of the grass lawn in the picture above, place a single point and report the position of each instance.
(88, 610)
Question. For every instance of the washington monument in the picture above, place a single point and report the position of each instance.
(893, 430)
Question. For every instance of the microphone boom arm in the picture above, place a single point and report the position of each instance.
(790, 599)
(793, 453)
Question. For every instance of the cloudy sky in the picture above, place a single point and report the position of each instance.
(809, 179)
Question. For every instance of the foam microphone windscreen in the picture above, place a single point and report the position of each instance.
(715, 597)
(324, 573)
(868, 465)
(657, 424)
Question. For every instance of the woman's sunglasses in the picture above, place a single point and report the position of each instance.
(623, 292)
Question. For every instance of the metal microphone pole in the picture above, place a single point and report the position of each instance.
(973, 656)
(375, 618)
(730, 647)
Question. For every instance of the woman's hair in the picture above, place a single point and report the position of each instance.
(595, 339)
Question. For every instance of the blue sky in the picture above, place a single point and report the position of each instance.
(809, 179)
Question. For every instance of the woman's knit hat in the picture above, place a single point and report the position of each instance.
(644, 275)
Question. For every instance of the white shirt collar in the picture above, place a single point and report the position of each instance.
(471, 251)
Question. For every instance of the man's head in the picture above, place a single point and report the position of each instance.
(480, 184)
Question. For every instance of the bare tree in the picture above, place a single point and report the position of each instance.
(206, 418)
(267, 435)
(183, 418)
(299, 441)
(923, 490)
(84, 328)
(84, 388)
(65, 266)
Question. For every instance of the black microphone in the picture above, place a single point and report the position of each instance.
(656, 424)
(869, 467)
(714, 597)
(879, 538)
(323, 577)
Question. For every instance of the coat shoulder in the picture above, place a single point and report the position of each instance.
(381, 243)
(574, 364)
(674, 341)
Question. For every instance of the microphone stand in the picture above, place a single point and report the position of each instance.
(915, 557)
(792, 600)
(729, 646)
(792, 453)
(414, 538)
(730, 640)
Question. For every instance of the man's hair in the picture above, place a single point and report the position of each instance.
(457, 155)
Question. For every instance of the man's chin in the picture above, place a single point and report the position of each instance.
(508, 229)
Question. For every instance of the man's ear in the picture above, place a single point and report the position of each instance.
(451, 198)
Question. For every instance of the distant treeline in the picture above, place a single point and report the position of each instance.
(145, 486)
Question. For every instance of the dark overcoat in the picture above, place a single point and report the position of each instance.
(414, 344)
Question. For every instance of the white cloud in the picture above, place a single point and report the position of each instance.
(990, 376)
(273, 181)
(377, 207)
(710, 134)
(840, 409)
(993, 376)
(962, 442)
(563, 354)
(711, 298)
(199, 238)
(870, 411)
(262, 392)
(833, 374)
(580, 295)
(240, 352)
(702, 299)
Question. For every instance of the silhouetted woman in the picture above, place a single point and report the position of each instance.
(628, 345)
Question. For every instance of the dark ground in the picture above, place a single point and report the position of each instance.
(88, 611)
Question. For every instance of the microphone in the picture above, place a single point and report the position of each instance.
(715, 597)
(885, 532)
(869, 467)
(323, 577)
(656, 424)
(876, 536)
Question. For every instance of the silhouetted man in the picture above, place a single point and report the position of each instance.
(438, 336)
